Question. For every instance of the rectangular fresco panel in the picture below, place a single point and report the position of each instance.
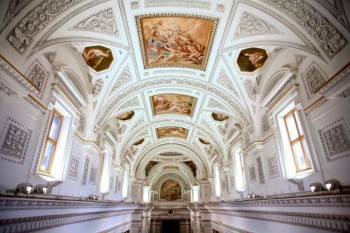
(172, 131)
(180, 40)
(173, 104)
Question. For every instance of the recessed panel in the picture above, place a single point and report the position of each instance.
(173, 104)
(219, 117)
(171, 131)
(179, 40)
(126, 116)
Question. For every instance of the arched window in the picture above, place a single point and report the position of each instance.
(217, 186)
(239, 169)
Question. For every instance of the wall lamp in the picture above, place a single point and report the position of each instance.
(333, 184)
(24, 188)
(316, 187)
(94, 197)
(41, 189)
(252, 195)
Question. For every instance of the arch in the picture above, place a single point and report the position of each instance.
(141, 162)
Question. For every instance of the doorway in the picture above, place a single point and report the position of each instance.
(170, 226)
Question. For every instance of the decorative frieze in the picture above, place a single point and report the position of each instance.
(251, 25)
(36, 20)
(202, 4)
(327, 36)
(14, 142)
(123, 79)
(216, 104)
(335, 139)
(4, 88)
(101, 22)
(225, 82)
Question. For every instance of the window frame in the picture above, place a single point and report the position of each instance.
(300, 139)
(54, 142)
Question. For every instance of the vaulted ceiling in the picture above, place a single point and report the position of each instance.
(172, 81)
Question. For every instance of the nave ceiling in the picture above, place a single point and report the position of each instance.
(165, 83)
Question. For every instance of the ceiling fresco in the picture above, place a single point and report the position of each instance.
(170, 190)
(126, 116)
(251, 59)
(179, 40)
(219, 116)
(173, 104)
(98, 58)
(178, 132)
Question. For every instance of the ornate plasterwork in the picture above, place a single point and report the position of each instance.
(344, 94)
(101, 22)
(272, 84)
(17, 77)
(327, 36)
(265, 124)
(313, 80)
(165, 82)
(251, 25)
(82, 123)
(123, 79)
(130, 103)
(202, 4)
(252, 175)
(4, 88)
(85, 171)
(225, 82)
(272, 166)
(51, 56)
(97, 87)
(14, 8)
(260, 170)
(38, 76)
(299, 59)
(14, 142)
(249, 86)
(36, 20)
(93, 173)
(134, 5)
(337, 10)
(74, 168)
(335, 139)
(220, 7)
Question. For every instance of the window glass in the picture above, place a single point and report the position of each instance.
(292, 129)
(55, 127)
(47, 156)
(299, 156)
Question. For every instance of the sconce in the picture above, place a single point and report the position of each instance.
(253, 195)
(40, 189)
(94, 197)
(316, 187)
(333, 184)
(24, 188)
